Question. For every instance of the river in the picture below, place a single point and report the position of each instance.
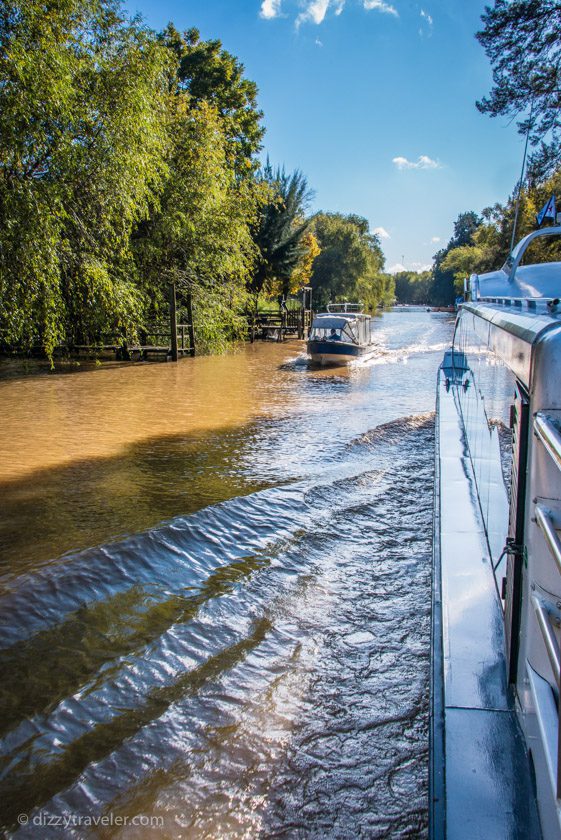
(215, 594)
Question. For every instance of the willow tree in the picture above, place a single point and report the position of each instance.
(199, 237)
(83, 103)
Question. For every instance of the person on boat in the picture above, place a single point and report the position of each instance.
(334, 335)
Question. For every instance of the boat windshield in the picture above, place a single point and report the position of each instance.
(324, 332)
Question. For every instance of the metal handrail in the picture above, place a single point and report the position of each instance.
(549, 436)
(543, 519)
(551, 646)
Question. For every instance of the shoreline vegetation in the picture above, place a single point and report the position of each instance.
(129, 165)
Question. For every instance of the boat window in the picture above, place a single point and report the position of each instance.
(325, 334)
(350, 332)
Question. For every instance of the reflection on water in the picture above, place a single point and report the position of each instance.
(252, 659)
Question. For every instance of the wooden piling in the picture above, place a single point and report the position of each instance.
(173, 322)
(191, 327)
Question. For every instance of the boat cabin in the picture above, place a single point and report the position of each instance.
(342, 322)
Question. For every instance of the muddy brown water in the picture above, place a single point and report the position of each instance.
(215, 594)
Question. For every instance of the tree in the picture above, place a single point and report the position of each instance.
(199, 235)
(302, 274)
(442, 291)
(211, 74)
(522, 39)
(412, 287)
(280, 231)
(490, 242)
(83, 101)
(350, 263)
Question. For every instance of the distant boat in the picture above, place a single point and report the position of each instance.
(341, 334)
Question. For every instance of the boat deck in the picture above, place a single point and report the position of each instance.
(480, 772)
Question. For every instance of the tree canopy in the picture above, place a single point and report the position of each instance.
(128, 162)
(83, 144)
(413, 287)
(443, 291)
(350, 263)
(489, 244)
(522, 39)
(211, 74)
(280, 230)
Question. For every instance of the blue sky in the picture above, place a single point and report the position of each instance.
(374, 102)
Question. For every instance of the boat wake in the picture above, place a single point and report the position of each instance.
(380, 355)
(401, 355)
(250, 670)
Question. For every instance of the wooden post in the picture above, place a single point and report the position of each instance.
(189, 302)
(282, 327)
(173, 322)
(253, 319)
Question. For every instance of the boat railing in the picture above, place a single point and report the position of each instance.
(515, 257)
(342, 308)
(549, 435)
(545, 523)
(545, 620)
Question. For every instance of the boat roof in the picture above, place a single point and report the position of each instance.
(337, 322)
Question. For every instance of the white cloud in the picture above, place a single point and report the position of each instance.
(319, 43)
(414, 266)
(427, 23)
(314, 12)
(423, 162)
(380, 6)
(435, 239)
(382, 233)
(270, 9)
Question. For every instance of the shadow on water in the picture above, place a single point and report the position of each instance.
(57, 662)
(83, 503)
(195, 659)
(29, 788)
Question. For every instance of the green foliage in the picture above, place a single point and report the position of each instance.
(199, 236)
(82, 144)
(280, 233)
(350, 264)
(218, 315)
(521, 40)
(412, 287)
(120, 162)
(490, 242)
(443, 290)
(211, 74)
